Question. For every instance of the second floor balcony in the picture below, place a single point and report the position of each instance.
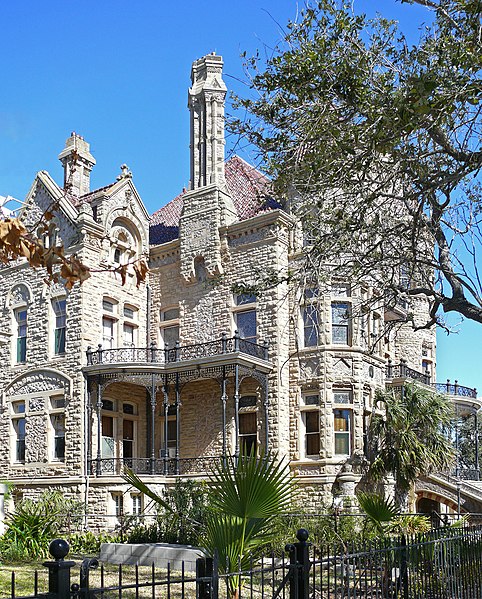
(396, 374)
(219, 351)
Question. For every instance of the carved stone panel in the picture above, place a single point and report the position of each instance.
(36, 382)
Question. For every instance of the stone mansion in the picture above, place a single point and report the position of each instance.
(171, 375)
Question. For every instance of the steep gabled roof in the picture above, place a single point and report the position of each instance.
(248, 188)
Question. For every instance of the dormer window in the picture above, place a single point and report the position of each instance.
(124, 244)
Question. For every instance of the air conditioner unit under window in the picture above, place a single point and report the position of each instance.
(171, 452)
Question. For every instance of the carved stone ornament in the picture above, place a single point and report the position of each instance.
(36, 404)
(310, 368)
(37, 382)
(20, 294)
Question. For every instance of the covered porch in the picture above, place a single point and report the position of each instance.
(175, 411)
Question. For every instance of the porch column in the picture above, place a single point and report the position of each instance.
(152, 465)
(178, 422)
(88, 426)
(224, 398)
(98, 467)
(166, 413)
(266, 415)
(236, 412)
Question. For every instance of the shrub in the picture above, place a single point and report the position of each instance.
(35, 523)
(88, 543)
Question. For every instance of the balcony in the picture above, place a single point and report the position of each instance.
(396, 374)
(167, 466)
(180, 357)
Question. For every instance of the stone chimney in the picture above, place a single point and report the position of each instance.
(78, 163)
(206, 105)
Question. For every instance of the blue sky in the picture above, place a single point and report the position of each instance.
(118, 72)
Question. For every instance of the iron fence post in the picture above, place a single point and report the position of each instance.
(207, 578)
(59, 570)
(300, 564)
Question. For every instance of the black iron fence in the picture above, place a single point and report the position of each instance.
(443, 564)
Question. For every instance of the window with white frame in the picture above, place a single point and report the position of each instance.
(136, 500)
(18, 424)
(244, 313)
(311, 317)
(340, 323)
(128, 431)
(58, 427)
(340, 289)
(310, 423)
(59, 309)
(109, 323)
(118, 499)
(248, 428)
(171, 434)
(342, 396)
(169, 327)
(129, 335)
(342, 431)
(21, 336)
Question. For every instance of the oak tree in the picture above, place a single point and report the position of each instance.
(375, 144)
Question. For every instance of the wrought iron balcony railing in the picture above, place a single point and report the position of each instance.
(178, 353)
(402, 371)
(158, 466)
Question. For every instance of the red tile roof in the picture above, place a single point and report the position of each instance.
(248, 188)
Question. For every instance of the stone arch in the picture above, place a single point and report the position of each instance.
(437, 497)
(132, 223)
(35, 381)
(20, 294)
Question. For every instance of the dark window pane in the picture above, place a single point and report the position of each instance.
(170, 335)
(247, 423)
(127, 448)
(59, 448)
(247, 401)
(59, 341)
(170, 314)
(313, 444)
(21, 349)
(107, 426)
(128, 430)
(20, 457)
(311, 400)
(246, 324)
(312, 422)
(248, 444)
(245, 298)
(310, 324)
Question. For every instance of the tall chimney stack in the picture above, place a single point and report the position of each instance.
(206, 105)
(78, 163)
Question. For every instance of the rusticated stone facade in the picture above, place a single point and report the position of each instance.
(171, 375)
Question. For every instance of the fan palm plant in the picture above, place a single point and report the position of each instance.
(245, 496)
(409, 439)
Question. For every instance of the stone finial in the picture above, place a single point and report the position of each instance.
(78, 163)
(125, 173)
